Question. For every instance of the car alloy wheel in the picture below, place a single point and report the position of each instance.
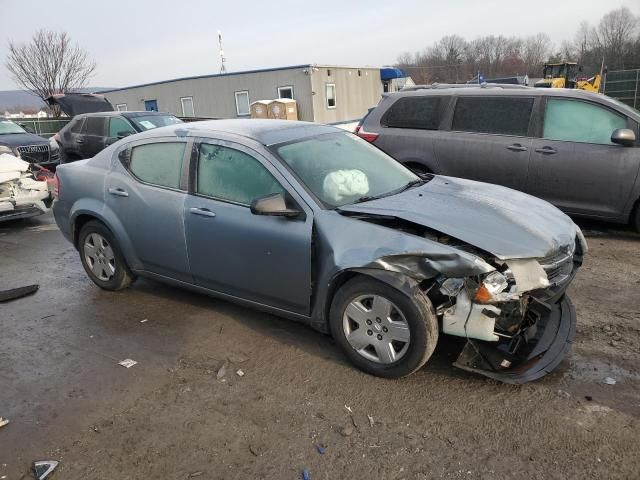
(376, 328)
(99, 257)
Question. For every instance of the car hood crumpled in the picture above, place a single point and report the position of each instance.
(504, 222)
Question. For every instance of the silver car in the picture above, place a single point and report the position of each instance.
(314, 224)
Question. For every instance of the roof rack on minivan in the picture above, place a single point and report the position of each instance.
(462, 85)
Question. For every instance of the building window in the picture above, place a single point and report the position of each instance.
(331, 95)
(359, 73)
(121, 107)
(328, 72)
(242, 103)
(187, 107)
(285, 92)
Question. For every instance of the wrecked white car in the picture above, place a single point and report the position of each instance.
(314, 224)
(21, 195)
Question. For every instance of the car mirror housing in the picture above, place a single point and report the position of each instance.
(623, 136)
(274, 205)
(124, 134)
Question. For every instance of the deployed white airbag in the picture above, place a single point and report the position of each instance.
(342, 184)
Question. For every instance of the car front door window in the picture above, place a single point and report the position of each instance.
(228, 174)
(119, 127)
(578, 121)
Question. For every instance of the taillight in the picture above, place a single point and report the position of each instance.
(56, 186)
(368, 136)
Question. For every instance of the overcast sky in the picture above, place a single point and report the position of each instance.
(137, 41)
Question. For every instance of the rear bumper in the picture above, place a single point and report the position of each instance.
(541, 349)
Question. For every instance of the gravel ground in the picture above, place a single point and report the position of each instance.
(184, 411)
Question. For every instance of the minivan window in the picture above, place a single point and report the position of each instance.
(95, 126)
(158, 163)
(497, 115)
(232, 175)
(413, 112)
(577, 121)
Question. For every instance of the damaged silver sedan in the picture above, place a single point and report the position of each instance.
(312, 223)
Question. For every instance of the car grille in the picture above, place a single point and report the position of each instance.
(34, 153)
(559, 265)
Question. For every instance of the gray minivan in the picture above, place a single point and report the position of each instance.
(577, 150)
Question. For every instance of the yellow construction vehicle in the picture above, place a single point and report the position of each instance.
(565, 75)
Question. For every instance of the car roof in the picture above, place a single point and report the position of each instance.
(266, 132)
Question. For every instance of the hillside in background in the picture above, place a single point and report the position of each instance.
(19, 100)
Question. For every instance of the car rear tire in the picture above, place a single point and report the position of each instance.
(383, 331)
(101, 257)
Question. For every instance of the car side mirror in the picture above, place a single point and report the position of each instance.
(623, 136)
(274, 205)
(123, 134)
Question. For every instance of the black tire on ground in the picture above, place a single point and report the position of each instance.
(122, 276)
(419, 315)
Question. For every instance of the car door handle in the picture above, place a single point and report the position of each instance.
(205, 212)
(516, 147)
(118, 192)
(79, 141)
(547, 150)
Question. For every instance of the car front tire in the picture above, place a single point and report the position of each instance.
(101, 257)
(383, 331)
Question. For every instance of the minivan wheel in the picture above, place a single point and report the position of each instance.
(101, 257)
(383, 331)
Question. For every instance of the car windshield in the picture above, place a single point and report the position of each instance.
(340, 168)
(147, 122)
(7, 127)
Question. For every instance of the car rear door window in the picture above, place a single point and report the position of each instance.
(414, 112)
(119, 127)
(578, 121)
(95, 126)
(497, 115)
(158, 163)
(232, 175)
(76, 126)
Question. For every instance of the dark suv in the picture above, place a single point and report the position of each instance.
(17, 141)
(575, 149)
(89, 133)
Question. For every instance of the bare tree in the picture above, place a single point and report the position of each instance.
(49, 64)
(615, 35)
(536, 52)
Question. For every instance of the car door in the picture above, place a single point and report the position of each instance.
(407, 130)
(146, 189)
(73, 137)
(258, 258)
(95, 132)
(488, 140)
(574, 164)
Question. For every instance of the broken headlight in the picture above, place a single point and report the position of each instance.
(491, 289)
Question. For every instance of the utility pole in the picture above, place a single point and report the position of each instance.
(223, 68)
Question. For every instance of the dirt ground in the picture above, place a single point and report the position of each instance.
(174, 415)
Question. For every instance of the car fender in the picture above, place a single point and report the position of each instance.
(96, 208)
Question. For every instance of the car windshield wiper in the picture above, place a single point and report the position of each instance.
(406, 186)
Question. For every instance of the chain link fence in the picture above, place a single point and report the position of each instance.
(624, 85)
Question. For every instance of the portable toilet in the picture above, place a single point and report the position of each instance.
(283, 109)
